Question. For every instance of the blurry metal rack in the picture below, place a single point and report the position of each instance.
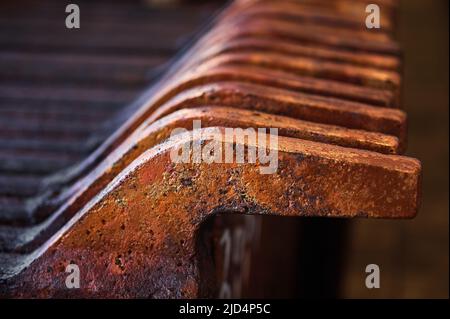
(139, 225)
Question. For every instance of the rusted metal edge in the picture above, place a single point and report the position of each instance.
(297, 105)
(113, 141)
(137, 237)
(340, 13)
(298, 11)
(139, 115)
(364, 76)
(212, 72)
(261, 98)
(150, 134)
(395, 118)
(350, 40)
(348, 8)
(265, 44)
(282, 102)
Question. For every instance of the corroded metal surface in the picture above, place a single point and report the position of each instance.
(63, 92)
(297, 105)
(130, 217)
(149, 136)
(142, 228)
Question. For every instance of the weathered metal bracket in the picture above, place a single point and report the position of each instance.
(298, 105)
(130, 217)
(150, 134)
(137, 237)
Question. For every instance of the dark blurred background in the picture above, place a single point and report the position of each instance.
(413, 254)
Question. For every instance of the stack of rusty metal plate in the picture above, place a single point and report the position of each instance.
(131, 218)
